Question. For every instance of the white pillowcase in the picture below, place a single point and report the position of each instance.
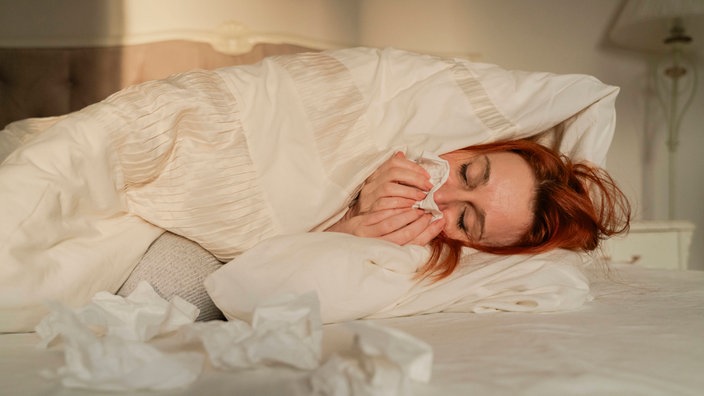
(370, 278)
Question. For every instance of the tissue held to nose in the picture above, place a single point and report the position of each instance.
(439, 170)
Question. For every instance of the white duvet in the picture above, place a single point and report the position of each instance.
(234, 157)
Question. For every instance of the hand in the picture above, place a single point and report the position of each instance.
(397, 183)
(400, 226)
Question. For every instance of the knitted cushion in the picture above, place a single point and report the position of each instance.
(174, 265)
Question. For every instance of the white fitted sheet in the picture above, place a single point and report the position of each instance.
(643, 334)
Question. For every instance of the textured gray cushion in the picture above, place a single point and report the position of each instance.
(174, 265)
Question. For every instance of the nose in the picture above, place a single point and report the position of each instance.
(446, 196)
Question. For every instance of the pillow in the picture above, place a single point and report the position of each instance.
(174, 265)
(370, 278)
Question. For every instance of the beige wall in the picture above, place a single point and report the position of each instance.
(85, 22)
(562, 36)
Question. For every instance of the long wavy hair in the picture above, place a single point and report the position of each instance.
(576, 206)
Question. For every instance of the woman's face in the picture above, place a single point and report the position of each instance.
(488, 197)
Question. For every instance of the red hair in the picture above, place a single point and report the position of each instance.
(575, 207)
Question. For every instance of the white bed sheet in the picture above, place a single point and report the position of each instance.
(642, 335)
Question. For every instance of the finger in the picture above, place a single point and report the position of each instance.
(385, 222)
(406, 234)
(399, 176)
(392, 203)
(390, 196)
(414, 177)
(400, 190)
(376, 218)
(364, 225)
(430, 232)
(399, 162)
(403, 172)
(376, 224)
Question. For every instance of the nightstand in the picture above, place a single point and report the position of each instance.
(653, 244)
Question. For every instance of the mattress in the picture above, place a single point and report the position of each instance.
(641, 334)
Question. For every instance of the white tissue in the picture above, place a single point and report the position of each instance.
(439, 170)
(285, 330)
(119, 360)
(106, 346)
(139, 317)
(143, 314)
(382, 362)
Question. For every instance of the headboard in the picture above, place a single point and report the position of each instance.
(42, 82)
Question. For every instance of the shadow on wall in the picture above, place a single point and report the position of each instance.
(56, 68)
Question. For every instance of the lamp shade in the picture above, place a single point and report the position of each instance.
(644, 24)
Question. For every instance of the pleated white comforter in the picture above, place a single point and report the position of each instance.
(235, 156)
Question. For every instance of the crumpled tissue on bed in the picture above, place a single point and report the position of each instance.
(121, 360)
(139, 317)
(285, 330)
(383, 361)
(439, 170)
(117, 343)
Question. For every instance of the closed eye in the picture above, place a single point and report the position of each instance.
(477, 179)
(463, 172)
(462, 225)
(460, 221)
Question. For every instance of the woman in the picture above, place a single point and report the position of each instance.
(232, 157)
(505, 198)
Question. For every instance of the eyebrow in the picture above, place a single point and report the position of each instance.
(487, 170)
(481, 218)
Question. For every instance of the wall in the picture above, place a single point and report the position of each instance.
(562, 36)
(101, 22)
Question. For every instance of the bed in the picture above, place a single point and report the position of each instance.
(640, 336)
(641, 333)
